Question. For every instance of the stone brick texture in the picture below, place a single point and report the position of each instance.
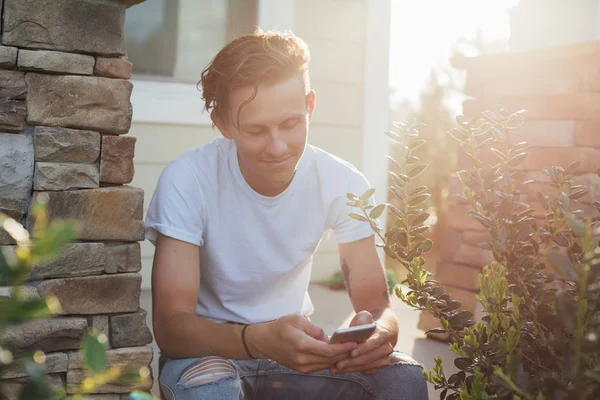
(560, 89)
(64, 104)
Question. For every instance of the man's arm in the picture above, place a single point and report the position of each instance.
(367, 287)
(292, 340)
(178, 331)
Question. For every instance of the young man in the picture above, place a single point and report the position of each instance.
(236, 223)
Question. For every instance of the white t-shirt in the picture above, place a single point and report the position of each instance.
(255, 251)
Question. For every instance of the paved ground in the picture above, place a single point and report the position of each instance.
(333, 310)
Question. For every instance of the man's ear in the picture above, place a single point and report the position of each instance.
(310, 103)
(221, 126)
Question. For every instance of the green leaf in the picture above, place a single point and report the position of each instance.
(418, 190)
(466, 178)
(499, 153)
(399, 214)
(562, 263)
(351, 196)
(436, 330)
(516, 160)
(416, 171)
(358, 217)
(54, 240)
(94, 353)
(367, 195)
(416, 144)
(426, 246)
(377, 211)
(420, 199)
(460, 319)
(420, 219)
(462, 363)
(572, 167)
(459, 136)
(37, 385)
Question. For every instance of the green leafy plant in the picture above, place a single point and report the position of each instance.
(46, 242)
(539, 337)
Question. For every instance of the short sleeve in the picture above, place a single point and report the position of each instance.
(346, 229)
(177, 207)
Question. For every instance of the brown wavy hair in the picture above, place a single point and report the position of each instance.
(254, 59)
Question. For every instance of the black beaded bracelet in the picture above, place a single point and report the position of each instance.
(244, 342)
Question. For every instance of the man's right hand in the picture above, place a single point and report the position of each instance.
(295, 342)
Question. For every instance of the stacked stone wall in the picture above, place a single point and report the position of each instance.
(560, 89)
(64, 114)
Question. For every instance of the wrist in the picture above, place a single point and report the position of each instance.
(255, 333)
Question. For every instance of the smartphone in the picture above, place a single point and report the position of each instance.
(357, 334)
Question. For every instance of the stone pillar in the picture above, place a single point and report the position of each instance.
(64, 114)
(555, 78)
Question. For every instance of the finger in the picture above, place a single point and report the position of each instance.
(375, 365)
(367, 358)
(327, 350)
(311, 329)
(370, 345)
(362, 318)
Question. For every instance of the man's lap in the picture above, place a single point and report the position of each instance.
(188, 379)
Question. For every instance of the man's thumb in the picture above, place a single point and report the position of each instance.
(313, 330)
(362, 318)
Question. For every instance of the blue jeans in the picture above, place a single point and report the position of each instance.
(266, 379)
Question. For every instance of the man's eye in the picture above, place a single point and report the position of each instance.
(290, 123)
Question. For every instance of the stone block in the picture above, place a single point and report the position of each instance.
(111, 213)
(66, 145)
(457, 275)
(449, 242)
(540, 158)
(119, 68)
(77, 259)
(140, 356)
(128, 330)
(101, 294)
(76, 376)
(11, 388)
(14, 208)
(563, 106)
(546, 133)
(457, 218)
(5, 238)
(16, 173)
(123, 257)
(564, 83)
(127, 357)
(587, 133)
(55, 62)
(13, 110)
(65, 176)
(116, 159)
(8, 57)
(100, 323)
(79, 26)
(473, 238)
(81, 102)
(55, 363)
(427, 321)
(472, 255)
(48, 335)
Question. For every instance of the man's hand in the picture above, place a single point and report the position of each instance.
(370, 355)
(295, 342)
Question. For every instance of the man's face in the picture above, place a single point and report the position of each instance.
(272, 132)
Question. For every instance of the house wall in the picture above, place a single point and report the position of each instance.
(335, 33)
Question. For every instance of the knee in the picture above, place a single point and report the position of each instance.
(204, 371)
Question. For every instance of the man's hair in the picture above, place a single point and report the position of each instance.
(251, 60)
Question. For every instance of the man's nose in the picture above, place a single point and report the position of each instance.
(277, 146)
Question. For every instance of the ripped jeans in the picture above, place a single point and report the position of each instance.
(217, 378)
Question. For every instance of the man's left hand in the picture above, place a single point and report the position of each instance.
(370, 355)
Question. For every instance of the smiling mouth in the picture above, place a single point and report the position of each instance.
(278, 162)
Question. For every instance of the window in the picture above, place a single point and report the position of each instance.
(169, 43)
(178, 38)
